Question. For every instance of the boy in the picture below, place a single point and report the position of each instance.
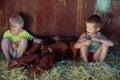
(93, 42)
(15, 40)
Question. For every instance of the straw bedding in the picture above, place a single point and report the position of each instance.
(67, 70)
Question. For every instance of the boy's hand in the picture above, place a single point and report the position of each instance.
(87, 42)
(14, 45)
(35, 40)
(95, 39)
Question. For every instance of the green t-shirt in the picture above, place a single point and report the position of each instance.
(17, 38)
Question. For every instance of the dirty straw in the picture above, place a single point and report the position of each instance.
(68, 70)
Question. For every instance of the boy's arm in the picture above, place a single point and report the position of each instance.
(104, 40)
(82, 38)
(82, 41)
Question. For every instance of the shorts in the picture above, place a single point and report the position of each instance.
(90, 57)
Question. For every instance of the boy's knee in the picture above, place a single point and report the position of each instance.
(84, 47)
(104, 46)
(5, 40)
(23, 40)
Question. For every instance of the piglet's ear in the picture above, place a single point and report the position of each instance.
(50, 49)
(42, 47)
(15, 62)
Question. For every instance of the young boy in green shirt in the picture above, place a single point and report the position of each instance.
(15, 39)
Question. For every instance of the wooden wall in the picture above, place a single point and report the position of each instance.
(60, 17)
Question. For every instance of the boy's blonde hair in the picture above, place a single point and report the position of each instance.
(16, 19)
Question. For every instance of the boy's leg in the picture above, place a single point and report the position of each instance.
(100, 54)
(84, 53)
(103, 53)
(6, 48)
(22, 47)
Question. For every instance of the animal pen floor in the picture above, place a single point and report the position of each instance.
(67, 70)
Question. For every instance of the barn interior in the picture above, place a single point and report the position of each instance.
(64, 18)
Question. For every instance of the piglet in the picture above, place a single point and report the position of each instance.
(58, 47)
(43, 64)
(22, 61)
(34, 48)
(64, 38)
(71, 47)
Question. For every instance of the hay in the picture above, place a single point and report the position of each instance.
(68, 70)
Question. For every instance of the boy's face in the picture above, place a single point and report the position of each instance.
(16, 29)
(91, 28)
